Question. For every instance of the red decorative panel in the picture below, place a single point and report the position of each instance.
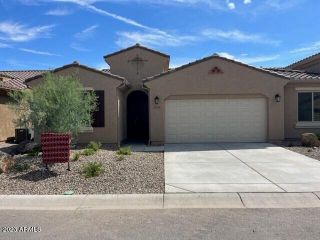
(216, 70)
(55, 147)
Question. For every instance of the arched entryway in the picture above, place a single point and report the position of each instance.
(138, 117)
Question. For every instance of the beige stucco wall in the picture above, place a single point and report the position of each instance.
(236, 81)
(96, 81)
(7, 116)
(120, 64)
(291, 108)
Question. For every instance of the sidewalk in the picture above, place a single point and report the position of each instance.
(160, 201)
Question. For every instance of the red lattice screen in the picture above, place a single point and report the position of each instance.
(55, 147)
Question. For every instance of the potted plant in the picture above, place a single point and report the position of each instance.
(57, 109)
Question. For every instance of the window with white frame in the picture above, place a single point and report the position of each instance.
(309, 106)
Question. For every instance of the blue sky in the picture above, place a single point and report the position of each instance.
(42, 34)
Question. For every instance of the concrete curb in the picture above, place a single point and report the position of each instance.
(160, 201)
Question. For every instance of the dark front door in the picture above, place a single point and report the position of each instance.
(137, 117)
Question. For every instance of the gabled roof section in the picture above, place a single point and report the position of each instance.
(304, 61)
(77, 64)
(214, 56)
(295, 74)
(136, 46)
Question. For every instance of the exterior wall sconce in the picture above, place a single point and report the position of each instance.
(156, 100)
(277, 97)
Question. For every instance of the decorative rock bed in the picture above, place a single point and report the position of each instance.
(141, 172)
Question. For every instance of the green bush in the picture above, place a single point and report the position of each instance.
(94, 145)
(124, 151)
(21, 167)
(35, 152)
(318, 135)
(58, 104)
(92, 169)
(88, 152)
(76, 156)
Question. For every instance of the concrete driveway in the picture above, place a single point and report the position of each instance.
(238, 167)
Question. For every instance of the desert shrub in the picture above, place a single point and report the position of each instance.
(21, 167)
(94, 145)
(35, 152)
(88, 152)
(58, 104)
(120, 158)
(76, 156)
(92, 169)
(124, 151)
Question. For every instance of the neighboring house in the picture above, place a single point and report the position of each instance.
(214, 99)
(11, 80)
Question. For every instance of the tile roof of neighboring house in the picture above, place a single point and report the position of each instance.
(77, 64)
(15, 79)
(8, 83)
(137, 46)
(294, 74)
(208, 58)
(304, 61)
(23, 74)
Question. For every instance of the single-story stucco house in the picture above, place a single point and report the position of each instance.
(213, 99)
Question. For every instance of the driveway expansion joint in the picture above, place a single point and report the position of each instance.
(252, 168)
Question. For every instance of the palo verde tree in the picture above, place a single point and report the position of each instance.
(58, 104)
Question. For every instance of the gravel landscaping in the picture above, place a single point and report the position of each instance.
(307, 151)
(141, 172)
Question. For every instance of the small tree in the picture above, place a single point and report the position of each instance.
(59, 104)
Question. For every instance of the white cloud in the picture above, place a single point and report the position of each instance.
(17, 32)
(247, 1)
(315, 46)
(126, 39)
(177, 62)
(58, 12)
(28, 50)
(282, 4)
(86, 33)
(231, 5)
(250, 59)
(78, 47)
(5, 45)
(237, 36)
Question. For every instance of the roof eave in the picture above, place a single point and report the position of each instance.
(148, 79)
(81, 66)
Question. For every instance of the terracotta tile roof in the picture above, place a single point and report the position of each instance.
(294, 74)
(8, 83)
(23, 74)
(15, 79)
(136, 46)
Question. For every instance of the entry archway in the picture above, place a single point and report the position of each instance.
(138, 116)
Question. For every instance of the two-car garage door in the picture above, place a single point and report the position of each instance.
(216, 120)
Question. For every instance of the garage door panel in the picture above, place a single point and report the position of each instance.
(215, 120)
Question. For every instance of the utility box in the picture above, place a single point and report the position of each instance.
(21, 134)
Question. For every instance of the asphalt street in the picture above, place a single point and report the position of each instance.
(162, 224)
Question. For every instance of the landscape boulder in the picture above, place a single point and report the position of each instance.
(6, 162)
(309, 140)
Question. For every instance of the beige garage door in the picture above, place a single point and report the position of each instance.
(216, 120)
